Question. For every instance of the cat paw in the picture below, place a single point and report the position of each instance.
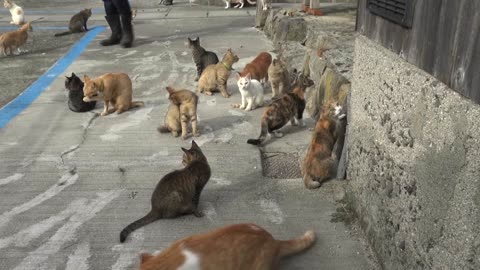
(104, 113)
(278, 134)
(226, 95)
(198, 214)
(208, 93)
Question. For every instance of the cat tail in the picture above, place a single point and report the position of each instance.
(251, 2)
(149, 218)
(317, 172)
(291, 247)
(263, 134)
(63, 34)
(137, 104)
(163, 129)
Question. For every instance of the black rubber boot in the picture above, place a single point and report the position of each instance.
(115, 26)
(127, 31)
(168, 2)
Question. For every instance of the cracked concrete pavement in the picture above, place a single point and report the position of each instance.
(70, 182)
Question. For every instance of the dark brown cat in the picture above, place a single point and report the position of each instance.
(178, 192)
(78, 23)
(288, 107)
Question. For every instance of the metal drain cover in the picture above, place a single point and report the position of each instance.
(280, 165)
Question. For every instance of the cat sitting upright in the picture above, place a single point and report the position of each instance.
(251, 91)
(279, 77)
(178, 192)
(74, 85)
(13, 40)
(201, 57)
(320, 162)
(18, 16)
(215, 77)
(78, 23)
(288, 107)
(233, 247)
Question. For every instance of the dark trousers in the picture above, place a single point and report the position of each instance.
(117, 7)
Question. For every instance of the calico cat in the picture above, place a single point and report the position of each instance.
(251, 91)
(320, 162)
(239, 3)
(11, 41)
(288, 107)
(258, 68)
(201, 57)
(279, 77)
(186, 103)
(74, 85)
(215, 77)
(233, 247)
(18, 16)
(78, 23)
(178, 192)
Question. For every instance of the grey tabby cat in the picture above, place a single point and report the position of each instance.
(178, 192)
(201, 57)
(78, 23)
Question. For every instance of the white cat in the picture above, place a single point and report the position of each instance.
(251, 91)
(18, 17)
(240, 3)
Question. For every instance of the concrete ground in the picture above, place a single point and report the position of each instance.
(70, 182)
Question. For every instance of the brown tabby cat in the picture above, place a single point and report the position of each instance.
(279, 77)
(13, 40)
(288, 107)
(178, 192)
(186, 102)
(234, 247)
(214, 77)
(319, 164)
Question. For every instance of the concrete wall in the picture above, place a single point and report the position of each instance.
(414, 164)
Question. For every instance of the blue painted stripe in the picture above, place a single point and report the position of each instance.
(12, 28)
(21, 102)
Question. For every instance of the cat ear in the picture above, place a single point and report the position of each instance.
(170, 90)
(249, 77)
(86, 78)
(274, 61)
(145, 257)
(185, 150)
(237, 76)
(198, 39)
(194, 145)
(189, 39)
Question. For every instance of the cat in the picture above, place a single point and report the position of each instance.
(240, 3)
(251, 91)
(233, 247)
(11, 41)
(112, 88)
(266, 4)
(201, 57)
(288, 107)
(178, 192)
(279, 77)
(186, 101)
(18, 16)
(258, 68)
(74, 85)
(320, 162)
(215, 77)
(78, 23)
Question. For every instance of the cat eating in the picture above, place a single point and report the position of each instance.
(251, 91)
(11, 41)
(74, 85)
(178, 192)
(201, 57)
(78, 23)
(233, 247)
(18, 16)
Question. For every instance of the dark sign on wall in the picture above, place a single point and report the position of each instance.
(398, 11)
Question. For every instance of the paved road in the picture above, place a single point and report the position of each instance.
(70, 182)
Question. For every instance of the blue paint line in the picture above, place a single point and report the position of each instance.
(13, 28)
(21, 102)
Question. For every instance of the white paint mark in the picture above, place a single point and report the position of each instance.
(147, 53)
(10, 143)
(184, 53)
(49, 158)
(79, 259)
(272, 211)
(93, 50)
(225, 136)
(132, 52)
(212, 102)
(132, 120)
(68, 180)
(207, 136)
(155, 156)
(236, 113)
(24, 237)
(11, 179)
(209, 211)
(243, 128)
(67, 232)
(192, 261)
(220, 181)
(128, 251)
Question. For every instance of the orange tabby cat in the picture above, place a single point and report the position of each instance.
(11, 41)
(319, 164)
(234, 247)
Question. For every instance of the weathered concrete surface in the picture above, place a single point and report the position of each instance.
(69, 182)
(414, 164)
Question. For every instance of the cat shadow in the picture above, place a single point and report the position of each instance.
(218, 123)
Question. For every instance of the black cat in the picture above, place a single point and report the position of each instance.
(75, 95)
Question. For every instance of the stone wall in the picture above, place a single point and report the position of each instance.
(413, 164)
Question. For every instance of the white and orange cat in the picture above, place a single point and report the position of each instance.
(12, 41)
(18, 16)
(251, 91)
(234, 247)
(239, 3)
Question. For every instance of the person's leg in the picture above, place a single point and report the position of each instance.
(125, 11)
(113, 19)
